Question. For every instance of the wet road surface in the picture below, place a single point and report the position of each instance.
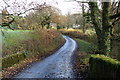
(57, 65)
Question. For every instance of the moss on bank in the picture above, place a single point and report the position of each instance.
(104, 67)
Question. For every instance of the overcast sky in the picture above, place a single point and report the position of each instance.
(64, 5)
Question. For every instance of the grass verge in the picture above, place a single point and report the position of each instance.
(81, 63)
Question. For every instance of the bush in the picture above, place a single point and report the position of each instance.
(92, 38)
(104, 67)
(8, 61)
(42, 41)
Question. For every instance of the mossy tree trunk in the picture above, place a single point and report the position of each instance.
(106, 27)
(102, 28)
(94, 8)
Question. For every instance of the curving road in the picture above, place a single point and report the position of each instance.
(57, 65)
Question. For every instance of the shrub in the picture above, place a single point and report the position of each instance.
(42, 41)
(104, 67)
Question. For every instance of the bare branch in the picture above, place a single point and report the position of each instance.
(6, 3)
(115, 16)
(4, 24)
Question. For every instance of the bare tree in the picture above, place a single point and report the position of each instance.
(17, 9)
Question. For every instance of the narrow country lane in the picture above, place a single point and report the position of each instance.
(57, 65)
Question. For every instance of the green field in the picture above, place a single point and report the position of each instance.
(13, 37)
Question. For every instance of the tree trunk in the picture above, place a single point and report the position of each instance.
(106, 27)
(103, 35)
(94, 8)
(83, 12)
